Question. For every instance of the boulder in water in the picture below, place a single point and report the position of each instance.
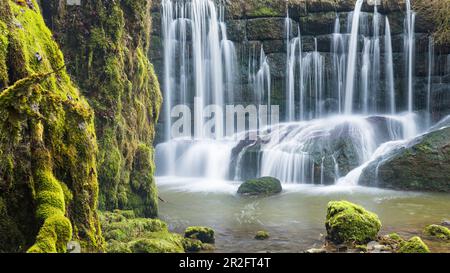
(262, 235)
(437, 231)
(260, 186)
(204, 234)
(423, 164)
(350, 223)
(414, 245)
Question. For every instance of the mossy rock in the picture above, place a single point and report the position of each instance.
(48, 142)
(126, 234)
(350, 223)
(262, 235)
(413, 245)
(155, 246)
(204, 234)
(395, 237)
(192, 245)
(437, 231)
(107, 56)
(260, 186)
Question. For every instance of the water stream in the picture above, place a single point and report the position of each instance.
(336, 122)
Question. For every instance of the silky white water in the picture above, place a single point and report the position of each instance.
(336, 120)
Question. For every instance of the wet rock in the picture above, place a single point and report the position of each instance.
(204, 234)
(316, 250)
(260, 186)
(262, 235)
(436, 231)
(423, 164)
(414, 245)
(350, 223)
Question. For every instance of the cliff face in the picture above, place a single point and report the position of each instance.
(48, 169)
(256, 23)
(105, 45)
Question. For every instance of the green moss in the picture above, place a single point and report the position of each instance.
(3, 55)
(263, 12)
(395, 237)
(155, 246)
(260, 186)
(118, 247)
(350, 223)
(262, 235)
(143, 194)
(192, 245)
(138, 235)
(413, 245)
(108, 59)
(437, 231)
(204, 234)
(56, 179)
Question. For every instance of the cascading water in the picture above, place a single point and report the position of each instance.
(337, 118)
(389, 65)
(351, 63)
(409, 49)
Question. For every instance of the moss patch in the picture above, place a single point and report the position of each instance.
(350, 223)
(204, 234)
(260, 186)
(106, 45)
(413, 245)
(47, 141)
(437, 231)
(126, 234)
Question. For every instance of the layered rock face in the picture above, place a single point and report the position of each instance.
(255, 23)
(48, 168)
(106, 45)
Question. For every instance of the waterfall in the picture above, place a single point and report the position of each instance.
(262, 80)
(409, 49)
(339, 59)
(213, 65)
(365, 72)
(389, 65)
(430, 79)
(375, 80)
(290, 66)
(352, 54)
(323, 140)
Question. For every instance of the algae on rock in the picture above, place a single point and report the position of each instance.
(48, 177)
(106, 45)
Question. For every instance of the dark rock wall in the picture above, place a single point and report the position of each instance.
(262, 22)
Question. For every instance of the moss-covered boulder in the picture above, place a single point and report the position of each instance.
(422, 164)
(124, 233)
(192, 245)
(413, 245)
(48, 145)
(350, 223)
(260, 186)
(106, 44)
(204, 234)
(437, 231)
(262, 235)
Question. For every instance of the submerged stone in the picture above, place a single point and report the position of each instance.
(350, 223)
(260, 186)
(262, 235)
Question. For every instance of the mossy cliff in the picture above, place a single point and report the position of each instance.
(48, 172)
(105, 45)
